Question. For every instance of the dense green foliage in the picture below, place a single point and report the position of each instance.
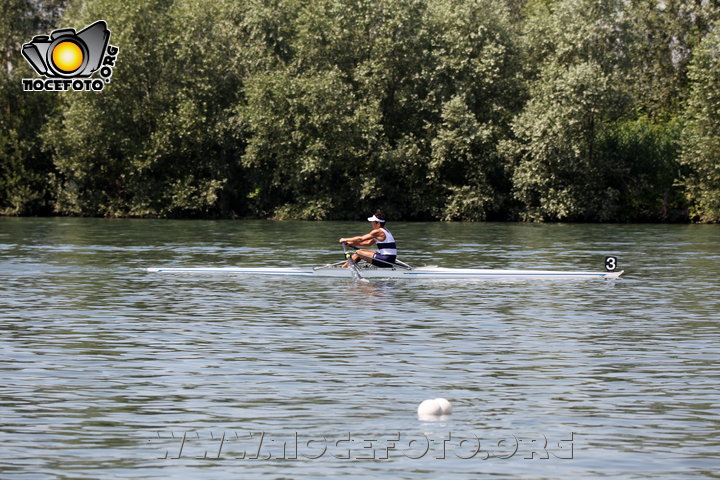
(538, 110)
(701, 142)
(26, 168)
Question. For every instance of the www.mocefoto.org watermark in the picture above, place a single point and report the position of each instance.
(68, 59)
(259, 446)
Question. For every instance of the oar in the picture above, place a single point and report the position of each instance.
(353, 266)
(330, 265)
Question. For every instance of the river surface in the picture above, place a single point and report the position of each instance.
(112, 372)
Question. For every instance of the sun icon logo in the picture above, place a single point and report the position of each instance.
(67, 56)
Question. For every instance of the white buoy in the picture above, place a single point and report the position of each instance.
(429, 408)
(444, 406)
(433, 409)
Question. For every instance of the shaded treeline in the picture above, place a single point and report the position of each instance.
(536, 110)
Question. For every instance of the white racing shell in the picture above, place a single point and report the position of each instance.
(382, 273)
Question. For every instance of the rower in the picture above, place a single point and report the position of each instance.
(386, 254)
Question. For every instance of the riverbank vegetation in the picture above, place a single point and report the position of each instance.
(532, 110)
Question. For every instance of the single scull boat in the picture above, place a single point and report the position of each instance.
(405, 271)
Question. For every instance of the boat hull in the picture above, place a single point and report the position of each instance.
(386, 273)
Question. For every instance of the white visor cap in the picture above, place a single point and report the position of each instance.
(375, 219)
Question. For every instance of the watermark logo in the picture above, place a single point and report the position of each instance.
(68, 59)
(265, 446)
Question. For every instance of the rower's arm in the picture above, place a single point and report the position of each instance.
(366, 240)
(359, 241)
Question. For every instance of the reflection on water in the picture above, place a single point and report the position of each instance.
(112, 372)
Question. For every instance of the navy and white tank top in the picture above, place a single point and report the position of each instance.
(387, 246)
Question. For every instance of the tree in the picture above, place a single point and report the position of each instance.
(25, 168)
(475, 89)
(701, 137)
(557, 170)
(156, 141)
(554, 157)
(662, 36)
(640, 158)
(310, 142)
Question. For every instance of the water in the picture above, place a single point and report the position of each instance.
(111, 372)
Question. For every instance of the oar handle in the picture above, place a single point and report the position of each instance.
(348, 256)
